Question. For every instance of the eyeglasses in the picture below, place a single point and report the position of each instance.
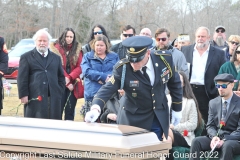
(224, 86)
(163, 39)
(99, 32)
(127, 35)
(237, 52)
(220, 31)
(236, 43)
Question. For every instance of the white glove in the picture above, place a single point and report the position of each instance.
(176, 117)
(93, 114)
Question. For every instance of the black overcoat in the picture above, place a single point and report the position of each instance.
(38, 79)
(3, 68)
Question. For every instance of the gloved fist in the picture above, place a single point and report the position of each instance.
(176, 117)
(93, 114)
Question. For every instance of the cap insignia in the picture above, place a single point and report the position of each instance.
(132, 49)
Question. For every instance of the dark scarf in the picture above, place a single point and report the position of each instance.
(68, 47)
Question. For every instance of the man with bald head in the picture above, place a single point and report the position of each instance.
(146, 32)
(204, 63)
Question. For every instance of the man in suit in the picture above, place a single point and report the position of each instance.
(41, 74)
(224, 108)
(144, 103)
(204, 62)
(3, 68)
(127, 31)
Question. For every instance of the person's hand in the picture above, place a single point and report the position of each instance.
(70, 87)
(220, 144)
(176, 117)
(237, 93)
(100, 82)
(67, 80)
(112, 116)
(24, 100)
(121, 92)
(214, 141)
(108, 77)
(171, 126)
(93, 114)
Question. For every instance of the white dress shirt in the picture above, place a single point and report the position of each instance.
(150, 70)
(199, 66)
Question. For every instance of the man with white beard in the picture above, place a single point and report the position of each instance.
(41, 77)
(204, 63)
(219, 38)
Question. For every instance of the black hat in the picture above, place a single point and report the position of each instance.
(218, 27)
(137, 47)
(224, 77)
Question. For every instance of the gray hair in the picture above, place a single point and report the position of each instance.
(204, 28)
(42, 31)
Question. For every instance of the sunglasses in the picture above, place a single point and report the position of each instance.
(99, 32)
(224, 86)
(236, 43)
(220, 31)
(237, 52)
(163, 39)
(127, 35)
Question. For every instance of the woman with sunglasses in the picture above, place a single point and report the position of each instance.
(233, 41)
(233, 67)
(97, 66)
(96, 30)
(70, 52)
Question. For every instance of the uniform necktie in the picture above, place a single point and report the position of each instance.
(224, 110)
(43, 54)
(144, 69)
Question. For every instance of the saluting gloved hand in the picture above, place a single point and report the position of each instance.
(92, 115)
(176, 117)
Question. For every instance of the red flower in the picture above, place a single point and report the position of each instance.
(39, 98)
(185, 133)
(222, 123)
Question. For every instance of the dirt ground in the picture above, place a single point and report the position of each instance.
(13, 101)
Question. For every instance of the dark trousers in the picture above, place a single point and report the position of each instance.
(157, 128)
(201, 144)
(69, 102)
(203, 101)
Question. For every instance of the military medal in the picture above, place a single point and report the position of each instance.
(134, 95)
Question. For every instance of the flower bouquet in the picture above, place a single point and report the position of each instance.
(39, 98)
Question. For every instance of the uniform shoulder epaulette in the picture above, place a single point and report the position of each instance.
(121, 62)
(163, 53)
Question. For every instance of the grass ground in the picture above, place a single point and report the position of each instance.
(12, 101)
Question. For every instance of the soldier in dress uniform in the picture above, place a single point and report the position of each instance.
(144, 103)
(3, 68)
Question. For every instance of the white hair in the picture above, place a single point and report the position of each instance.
(41, 31)
(203, 28)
